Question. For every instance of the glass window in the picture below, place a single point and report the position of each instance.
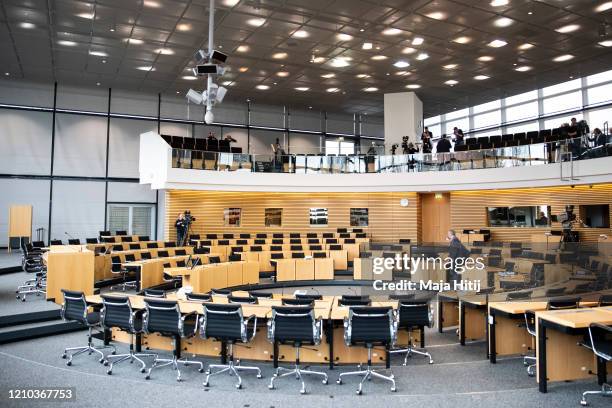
(347, 147)
(487, 106)
(435, 130)
(599, 94)
(562, 87)
(599, 78)
(359, 217)
(318, 216)
(521, 112)
(563, 102)
(231, 217)
(432, 120)
(560, 120)
(273, 217)
(135, 219)
(463, 124)
(457, 114)
(532, 216)
(490, 132)
(595, 216)
(524, 97)
(338, 146)
(598, 117)
(524, 127)
(487, 119)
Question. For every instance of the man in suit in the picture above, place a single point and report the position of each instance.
(455, 250)
(443, 145)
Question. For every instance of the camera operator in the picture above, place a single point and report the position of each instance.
(181, 227)
(405, 144)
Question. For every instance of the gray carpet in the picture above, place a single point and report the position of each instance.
(9, 305)
(8, 260)
(460, 377)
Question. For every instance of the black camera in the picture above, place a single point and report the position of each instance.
(188, 217)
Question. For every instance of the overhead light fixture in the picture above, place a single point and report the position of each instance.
(413, 86)
(134, 41)
(229, 83)
(370, 89)
(7, 73)
(263, 87)
(146, 68)
(280, 55)
(525, 46)
(189, 78)
(462, 40)
(242, 48)
(243, 69)
(497, 43)
(417, 41)
(327, 76)
(332, 90)
(437, 15)
(256, 22)
(230, 3)
(403, 73)
(567, 28)
(604, 7)
(344, 37)
(366, 46)
(183, 27)
(481, 77)
(87, 16)
(451, 82)
(503, 22)
(523, 68)
(485, 58)
(379, 57)
(317, 60)
(362, 76)
(422, 56)
(151, 3)
(302, 88)
(67, 43)
(401, 64)
(450, 66)
(499, 3)
(391, 31)
(282, 74)
(563, 58)
(409, 50)
(607, 43)
(300, 34)
(27, 25)
(98, 53)
(339, 62)
(165, 51)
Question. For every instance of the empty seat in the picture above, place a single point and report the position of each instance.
(471, 141)
(483, 139)
(461, 148)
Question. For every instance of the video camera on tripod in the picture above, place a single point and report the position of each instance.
(189, 219)
(567, 220)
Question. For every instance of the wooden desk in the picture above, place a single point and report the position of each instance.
(203, 278)
(448, 310)
(472, 318)
(551, 241)
(559, 357)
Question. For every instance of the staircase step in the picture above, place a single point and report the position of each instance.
(31, 317)
(38, 329)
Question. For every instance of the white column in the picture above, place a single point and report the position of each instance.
(403, 117)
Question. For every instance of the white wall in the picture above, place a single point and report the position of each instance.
(24, 192)
(403, 117)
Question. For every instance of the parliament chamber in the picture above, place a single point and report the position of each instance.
(334, 203)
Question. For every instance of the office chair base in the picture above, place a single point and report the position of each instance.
(530, 367)
(297, 371)
(111, 362)
(231, 369)
(606, 391)
(368, 374)
(410, 350)
(90, 348)
(125, 285)
(174, 362)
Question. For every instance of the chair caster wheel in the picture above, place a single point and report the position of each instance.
(101, 361)
(114, 352)
(147, 377)
(584, 403)
(302, 392)
(64, 356)
(69, 363)
(392, 376)
(142, 370)
(259, 376)
(105, 363)
(23, 300)
(238, 386)
(431, 362)
(200, 370)
(324, 382)
(339, 382)
(393, 389)
(358, 392)
(270, 387)
(109, 372)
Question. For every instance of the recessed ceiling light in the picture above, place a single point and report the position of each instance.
(362, 76)
(332, 90)
(189, 78)
(607, 43)
(392, 31)
(370, 89)
(413, 86)
(344, 37)
(481, 77)
(409, 50)
(498, 3)
(242, 48)
(417, 41)
(300, 34)
(451, 82)
(567, 28)
(339, 62)
(104, 61)
(379, 57)
(437, 15)
(230, 3)
(67, 43)
(98, 53)
(422, 56)
(87, 16)
(229, 83)
(503, 22)
(497, 43)
(523, 68)
(98, 84)
(134, 41)
(327, 76)
(280, 55)
(256, 22)
(151, 3)
(401, 64)
(302, 88)
(183, 27)
(146, 68)
(263, 87)
(462, 40)
(485, 58)
(366, 46)
(243, 69)
(564, 57)
(282, 74)
(26, 25)
(604, 7)
(525, 46)
(450, 66)
(165, 51)
(7, 73)
(318, 60)
(403, 73)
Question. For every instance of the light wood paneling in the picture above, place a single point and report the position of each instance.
(435, 217)
(387, 219)
(468, 208)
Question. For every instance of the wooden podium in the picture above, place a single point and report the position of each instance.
(19, 223)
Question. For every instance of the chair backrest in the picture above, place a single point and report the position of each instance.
(567, 303)
(245, 236)
(180, 252)
(228, 236)
(145, 255)
(530, 322)
(74, 306)
(370, 325)
(180, 263)
(75, 241)
(295, 241)
(134, 246)
(261, 242)
(313, 240)
(126, 239)
(56, 242)
(223, 321)
(293, 324)
(365, 301)
(297, 255)
(277, 241)
(256, 248)
(245, 300)
(518, 295)
(261, 295)
(276, 255)
(296, 248)
(214, 259)
(221, 292)
(335, 247)
(162, 316)
(115, 263)
(309, 296)
(234, 257)
(261, 235)
(116, 312)
(601, 338)
(155, 293)
(297, 302)
(331, 241)
(211, 236)
(91, 240)
(143, 238)
(120, 232)
(242, 242)
(203, 297)
(276, 247)
(118, 247)
(319, 255)
(605, 300)
(349, 241)
(414, 314)
(104, 233)
(170, 244)
(316, 247)
(162, 254)
(151, 244)
(277, 235)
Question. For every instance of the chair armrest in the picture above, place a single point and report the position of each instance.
(251, 318)
(182, 324)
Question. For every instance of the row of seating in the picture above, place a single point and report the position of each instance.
(278, 234)
(205, 145)
(294, 323)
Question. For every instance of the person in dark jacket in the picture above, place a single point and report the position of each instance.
(181, 228)
(455, 250)
(443, 145)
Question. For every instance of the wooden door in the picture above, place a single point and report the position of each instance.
(435, 216)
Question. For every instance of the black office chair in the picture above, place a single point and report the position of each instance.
(74, 241)
(120, 232)
(297, 326)
(145, 255)
(118, 269)
(261, 295)
(134, 246)
(563, 304)
(75, 309)
(347, 300)
(199, 297)
(518, 295)
(151, 245)
(180, 252)
(170, 244)
(117, 312)
(599, 340)
(144, 238)
(369, 327)
(155, 293)
(91, 240)
(604, 300)
(309, 296)
(221, 292)
(163, 254)
(413, 315)
(234, 257)
(214, 259)
(244, 300)
(226, 323)
(297, 302)
(164, 317)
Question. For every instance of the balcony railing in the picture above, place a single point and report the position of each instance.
(515, 156)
